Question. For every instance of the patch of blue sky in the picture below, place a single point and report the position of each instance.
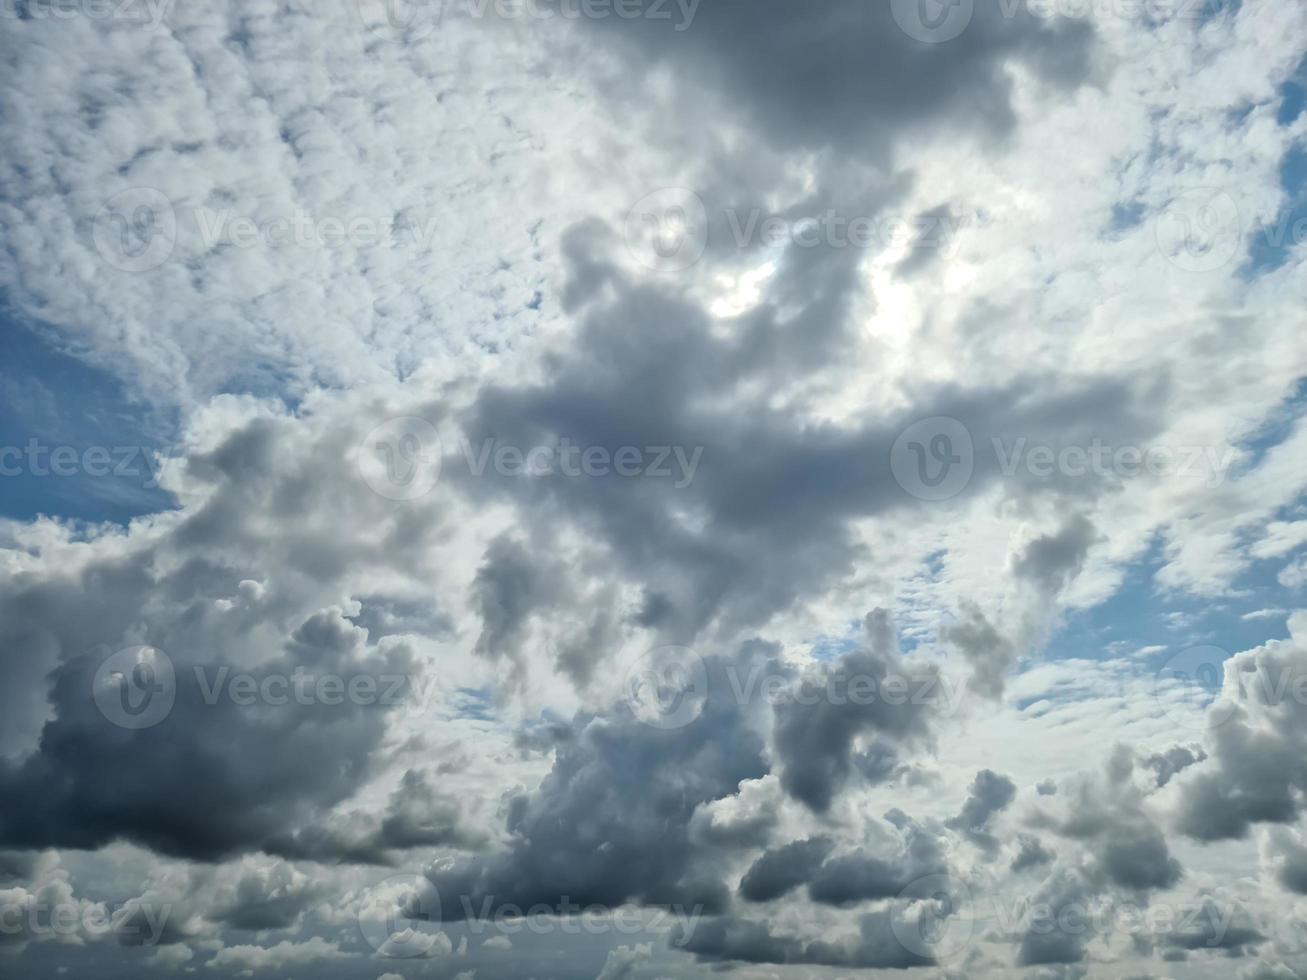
(1293, 96)
(1272, 245)
(1143, 622)
(1141, 617)
(75, 444)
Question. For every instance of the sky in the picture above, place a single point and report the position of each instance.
(653, 489)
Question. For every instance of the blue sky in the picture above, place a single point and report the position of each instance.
(55, 398)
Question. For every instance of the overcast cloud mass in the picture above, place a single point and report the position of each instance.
(653, 489)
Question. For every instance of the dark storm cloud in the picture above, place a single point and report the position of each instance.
(860, 876)
(781, 870)
(1051, 562)
(16, 866)
(1218, 927)
(275, 899)
(816, 736)
(1289, 857)
(1257, 772)
(418, 815)
(845, 75)
(875, 947)
(649, 367)
(201, 783)
(1173, 761)
(611, 822)
(1108, 814)
(990, 793)
(1064, 889)
(217, 597)
(1031, 854)
(509, 586)
(988, 651)
(1043, 569)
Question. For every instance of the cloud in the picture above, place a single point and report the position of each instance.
(1253, 775)
(610, 823)
(782, 869)
(623, 961)
(990, 794)
(816, 736)
(247, 960)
